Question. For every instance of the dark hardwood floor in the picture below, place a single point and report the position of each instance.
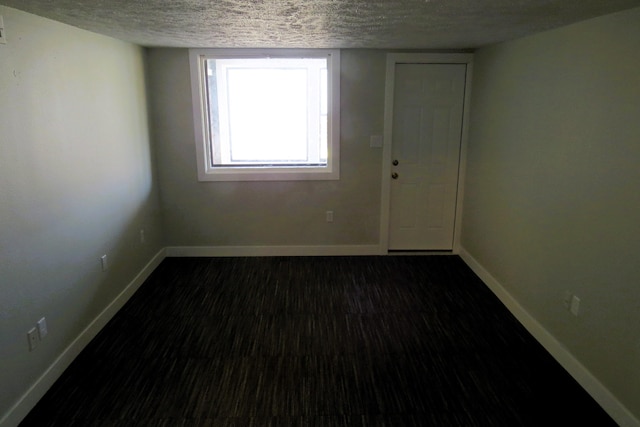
(324, 341)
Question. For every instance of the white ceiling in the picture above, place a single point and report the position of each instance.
(387, 24)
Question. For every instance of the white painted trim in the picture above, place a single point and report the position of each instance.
(231, 251)
(276, 173)
(26, 403)
(577, 370)
(464, 145)
(419, 58)
(385, 199)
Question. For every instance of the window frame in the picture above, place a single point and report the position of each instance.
(208, 172)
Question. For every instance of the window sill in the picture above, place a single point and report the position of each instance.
(268, 174)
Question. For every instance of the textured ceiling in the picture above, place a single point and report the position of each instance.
(388, 24)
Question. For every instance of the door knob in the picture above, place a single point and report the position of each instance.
(395, 163)
(394, 175)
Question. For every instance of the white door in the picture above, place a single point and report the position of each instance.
(425, 153)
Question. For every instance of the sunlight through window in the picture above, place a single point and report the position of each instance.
(267, 113)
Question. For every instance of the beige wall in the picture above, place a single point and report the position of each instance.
(269, 213)
(552, 199)
(76, 182)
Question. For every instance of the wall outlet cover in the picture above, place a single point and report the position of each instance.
(32, 336)
(42, 328)
(3, 37)
(329, 216)
(575, 305)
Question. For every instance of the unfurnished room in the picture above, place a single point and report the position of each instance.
(319, 213)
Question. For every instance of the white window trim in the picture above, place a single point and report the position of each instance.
(257, 173)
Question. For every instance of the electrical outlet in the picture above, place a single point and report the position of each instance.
(3, 36)
(329, 216)
(575, 305)
(42, 328)
(32, 336)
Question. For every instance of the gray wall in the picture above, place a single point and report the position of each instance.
(552, 195)
(551, 200)
(269, 213)
(76, 182)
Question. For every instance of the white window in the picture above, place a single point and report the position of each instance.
(266, 114)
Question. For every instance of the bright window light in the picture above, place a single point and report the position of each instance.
(267, 116)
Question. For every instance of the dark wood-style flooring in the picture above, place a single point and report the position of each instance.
(315, 341)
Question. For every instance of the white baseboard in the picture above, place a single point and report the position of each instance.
(247, 251)
(20, 410)
(579, 372)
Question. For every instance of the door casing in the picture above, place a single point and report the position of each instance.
(420, 58)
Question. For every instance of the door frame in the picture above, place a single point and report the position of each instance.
(385, 203)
